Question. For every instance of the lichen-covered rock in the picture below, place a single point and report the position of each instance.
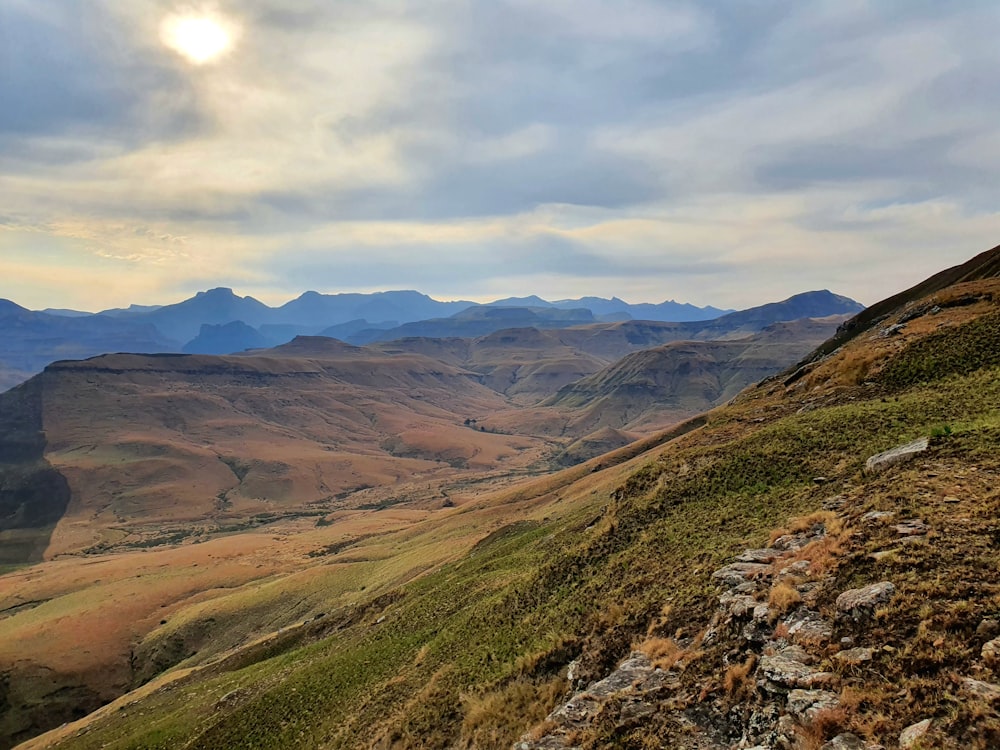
(806, 627)
(766, 555)
(861, 603)
(804, 705)
(914, 733)
(738, 573)
(897, 455)
(784, 670)
(845, 741)
(912, 527)
(979, 689)
(991, 652)
(854, 656)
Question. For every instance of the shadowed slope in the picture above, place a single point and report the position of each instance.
(33, 495)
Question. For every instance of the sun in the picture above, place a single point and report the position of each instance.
(200, 39)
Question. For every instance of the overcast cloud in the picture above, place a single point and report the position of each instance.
(725, 153)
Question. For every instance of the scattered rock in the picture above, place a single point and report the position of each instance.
(854, 656)
(808, 627)
(736, 605)
(979, 689)
(795, 542)
(884, 460)
(797, 567)
(766, 555)
(913, 733)
(861, 603)
(988, 628)
(951, 500)
(846, 741)
(820, 680)
(784, 671)
(912, 527)
(805, 704)
(884, 553)
(893, 330)
(877, 515)
(837, 502)
(739, 572)
(991, 652)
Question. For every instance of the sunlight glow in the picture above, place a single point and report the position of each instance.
(200, 39)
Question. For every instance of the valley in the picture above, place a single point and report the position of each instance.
(388, 534)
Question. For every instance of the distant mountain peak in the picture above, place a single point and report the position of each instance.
(219, 291)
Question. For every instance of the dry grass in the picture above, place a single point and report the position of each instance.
(824, 725)
(663, 652)
(738, 682)
(783, 598)
(493, 720)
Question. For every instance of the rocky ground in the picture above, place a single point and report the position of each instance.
(793, 649)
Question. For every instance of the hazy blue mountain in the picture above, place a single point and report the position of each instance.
(228, 338)
(343, 330)
(617, 309)
(183, 320)
(323, 310)
(64, 313)
(130, 310)
(31, 340)
(479, 321)
(532, 301)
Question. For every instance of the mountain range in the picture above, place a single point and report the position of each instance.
(221, 322)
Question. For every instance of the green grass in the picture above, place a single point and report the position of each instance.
(953, 351)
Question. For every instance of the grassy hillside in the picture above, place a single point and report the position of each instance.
(466, 642)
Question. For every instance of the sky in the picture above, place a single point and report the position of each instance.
(728, 153)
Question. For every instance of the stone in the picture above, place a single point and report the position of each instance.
(988, 628)
(737, 573)
(913, 527)
(806, 626)
(636, 666)
(580, 709)
(804, 705)
(820, 680)
(882, 554)
(737, 605)
(845, 741)
(799, 567)
(897, 455)
(991, 652)
(910, 736)
(766, 555)
(861, 603)
(837, 502)
(795, 542)
(877, 515)
(785, 671)
(854, 656)
(979, 689)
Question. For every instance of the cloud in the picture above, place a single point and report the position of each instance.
(724, 153)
